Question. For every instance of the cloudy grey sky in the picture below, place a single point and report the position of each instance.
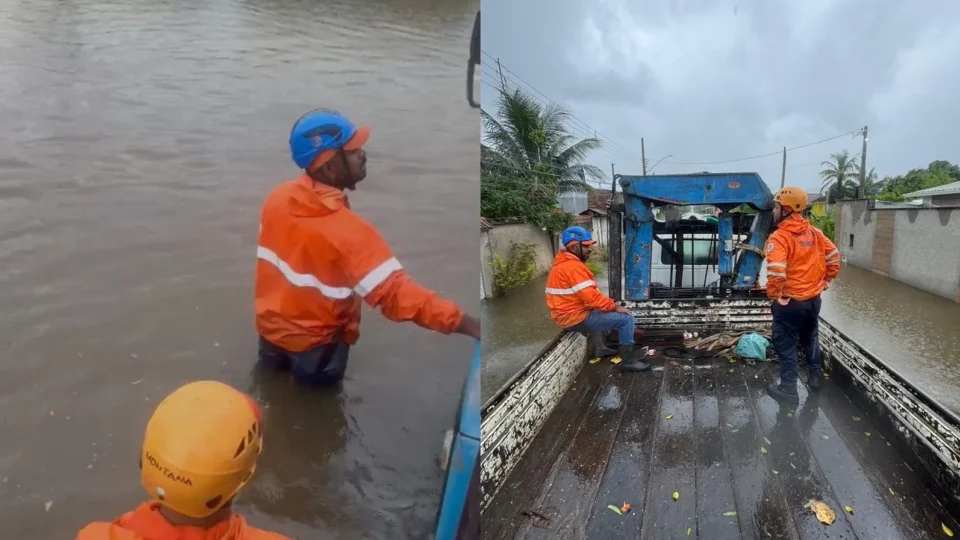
(713, 80)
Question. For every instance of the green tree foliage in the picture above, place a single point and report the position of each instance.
(840, 176)
(528, 159)
(936, 174)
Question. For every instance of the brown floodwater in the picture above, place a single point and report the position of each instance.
(914, 332)
(138, 141)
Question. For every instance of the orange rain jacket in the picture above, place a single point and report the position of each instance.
(572, 291)
(146, 523)
(318, 259)
(800, 260)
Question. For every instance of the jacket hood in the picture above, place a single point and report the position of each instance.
(794, 224)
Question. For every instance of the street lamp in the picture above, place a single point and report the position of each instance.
(658, 162)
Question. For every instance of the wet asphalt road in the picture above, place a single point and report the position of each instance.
(139, 141)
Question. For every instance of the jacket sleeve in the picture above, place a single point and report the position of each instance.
(832, 255)
(377, 276)
(776, 266)
(585, 287)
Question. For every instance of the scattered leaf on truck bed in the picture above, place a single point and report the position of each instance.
(676, 495)
(615, 509)
(763, 450)
(669, 416)
(848, 509)
(594, 360)
(616, 360)
(823, 512)
(946, 530)
(729, 513)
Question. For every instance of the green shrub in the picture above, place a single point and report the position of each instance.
(597, 267)
(519, 269)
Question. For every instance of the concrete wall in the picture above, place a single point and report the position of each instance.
(497, 241)
(926, 245)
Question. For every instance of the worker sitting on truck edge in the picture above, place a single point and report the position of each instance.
(318, 259)
(200, 449)
(801, 262)
(576, 303)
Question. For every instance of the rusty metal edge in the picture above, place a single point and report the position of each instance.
(504, 389)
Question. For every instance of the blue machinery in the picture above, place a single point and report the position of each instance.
(641, 194)
(459, 513)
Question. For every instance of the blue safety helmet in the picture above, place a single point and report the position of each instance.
(323, 130)
(576, 234)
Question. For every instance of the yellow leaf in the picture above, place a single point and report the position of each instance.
(729, 513)
(615, 509)
(891, 492)
(763, 450)
(616, 360)
(594, 360)
(689, 530)
(868, 433)
(756, 376)
(775, 472)
(856, 418)
(731, 370)
(790, 414)
(733, 361)
(676, 495)
(808, 504)
(825, 437)
(823, 512)
(946, 530)
(669, 416)
(848, 509)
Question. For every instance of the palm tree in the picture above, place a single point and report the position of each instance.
(841, 171)
(872, 186)
(532, 142)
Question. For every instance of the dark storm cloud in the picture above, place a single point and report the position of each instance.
(714, 80)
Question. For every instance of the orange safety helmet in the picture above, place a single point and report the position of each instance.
(201, 447)
(792, 197)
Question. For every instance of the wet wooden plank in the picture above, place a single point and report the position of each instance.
(787, 431)
(674, 462)
(576, 477)
(628, 469)
(515, 502)
(715, 495)
(912, 505)
(760, 504)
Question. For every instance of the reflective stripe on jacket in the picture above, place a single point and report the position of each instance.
(800, 260)
(572, 291)
(318, 259)
(146, 523)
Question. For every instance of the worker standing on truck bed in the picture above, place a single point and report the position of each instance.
(801, 262)
(317, 259)
(200, 449)
(576, 303)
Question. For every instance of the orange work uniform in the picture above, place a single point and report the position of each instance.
(800, 260)
(572, 291)
(317, 259)
(146, 523)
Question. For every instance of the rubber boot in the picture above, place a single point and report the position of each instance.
(603, 350)
(630, 362)
(814, 382)
(782, 395)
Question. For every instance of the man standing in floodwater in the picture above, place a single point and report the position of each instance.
(576, 303)
(801, 262)
(317, 259)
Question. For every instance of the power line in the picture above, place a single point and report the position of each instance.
(777, 153)
(590, 131)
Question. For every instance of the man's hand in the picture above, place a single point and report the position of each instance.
(826, 284)
(783, 300)
(469, 326)
(621, 309)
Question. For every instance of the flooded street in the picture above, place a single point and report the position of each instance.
(913, 331)
(139, 141)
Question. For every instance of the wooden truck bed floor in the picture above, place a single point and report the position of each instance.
(707, 430)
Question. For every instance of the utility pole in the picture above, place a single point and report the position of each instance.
(503, 81)
(863, 166)
(643, 155)
(613, 182)
(783, 171)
